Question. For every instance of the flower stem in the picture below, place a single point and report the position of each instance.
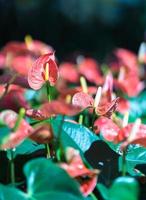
(19, 118)
(93, 119)
(12, 167)
(48, 154)
(48, 91)
(81, 119)
(124, 162)
(93, 196)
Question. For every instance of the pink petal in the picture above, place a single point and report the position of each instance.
(68, 72)
(89, 68)
(107, 127)
(83, 100)
(9, 117)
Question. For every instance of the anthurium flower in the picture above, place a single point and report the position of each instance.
(14, 99)
(37, 47)
(76, 169)
(24, 130)
(69, 72)
(14, 48)
(42, 133)
(127, 59)
(89, 68)
(52, 109)
(21, 64)
(101, 108)
(44, 69)
(129, 83)
(129, 134)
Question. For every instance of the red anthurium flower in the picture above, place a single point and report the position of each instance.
(76, 169)
(42, 134)
(44, 69)
(129, 134)
(24, 130)
(123, 105)
(15, 48)
(37, 47)
(52, 109)
(129, 84)
(69, 72)
(107, 127)
(83, 100)
(104, 107)
(127, 59)
(14, 99)
(21, 64)
(89, 68)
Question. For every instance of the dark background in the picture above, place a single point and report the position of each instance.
(91, 27)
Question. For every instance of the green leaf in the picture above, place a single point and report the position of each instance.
(4, 133)
(25, 148)
(45, 180)
(6, 193)
(124, 188)
(103, 191)
(135, 155)
(76, 135)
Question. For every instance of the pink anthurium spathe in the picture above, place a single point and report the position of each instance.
(24, 130)
(89, 68)
(44, 69)
(69, 72)
(101, 106)
(76, 169)
(52, 109)
(133, 133)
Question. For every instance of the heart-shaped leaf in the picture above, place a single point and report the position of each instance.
(78, 134)
(45, 180)
(25, 148)
(123, 188)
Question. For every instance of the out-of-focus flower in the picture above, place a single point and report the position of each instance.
(24, 130)
(52, 109)
(76, 169)
(130, 134)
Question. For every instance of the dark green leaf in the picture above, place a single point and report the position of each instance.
(45, 180)
(135, 155)
(80, 135)
(124, 188)
(4, 133)
(103, 191)
(25, 148)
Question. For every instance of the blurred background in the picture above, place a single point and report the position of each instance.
(90, 27)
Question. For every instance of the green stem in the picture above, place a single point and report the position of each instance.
(12, 165)
(93, 196)
(49, 99)
(60, 145)
(93, 119)
(48, 150)
(12, 168)
(48, 91)
(124, 162)
(19, 118)
(81, 119)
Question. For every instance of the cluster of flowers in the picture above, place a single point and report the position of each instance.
(32, 65)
